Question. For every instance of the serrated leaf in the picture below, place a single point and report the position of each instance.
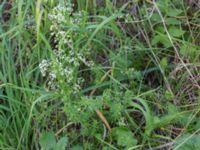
(116, 110)
(160, 29)
(161, 39)
(47, 140)
(188, 51)
(176, 32)
(124, 137)
(61, 144)
(163, 5)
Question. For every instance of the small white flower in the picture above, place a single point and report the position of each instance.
(52, 75)
(44, 67)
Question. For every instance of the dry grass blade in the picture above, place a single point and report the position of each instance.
(99, 113)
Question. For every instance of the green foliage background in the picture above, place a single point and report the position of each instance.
(136, 61)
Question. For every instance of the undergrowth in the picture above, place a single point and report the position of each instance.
(94, 74)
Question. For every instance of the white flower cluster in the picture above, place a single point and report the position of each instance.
(63, 68)
(57, 74)
(44, 65)
(61, 12)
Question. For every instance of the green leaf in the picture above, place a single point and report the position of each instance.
(172, 21)
(160, 29)
(168, 95)
(47, 140)
(163, 63)
(174, 12)
(188, 51)
(197, 125)
(124, 137)
(183, 119)
(116, 110)
(107, 148)
(163, 5)
(77, 147)
(176, 32)
(161, 39)
(156, 17)
(187, 142)
(61, 144)
(171, 108)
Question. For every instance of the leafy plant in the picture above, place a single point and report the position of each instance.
(124, 137)
(48, 142)
(187, 141)
(114, 74)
